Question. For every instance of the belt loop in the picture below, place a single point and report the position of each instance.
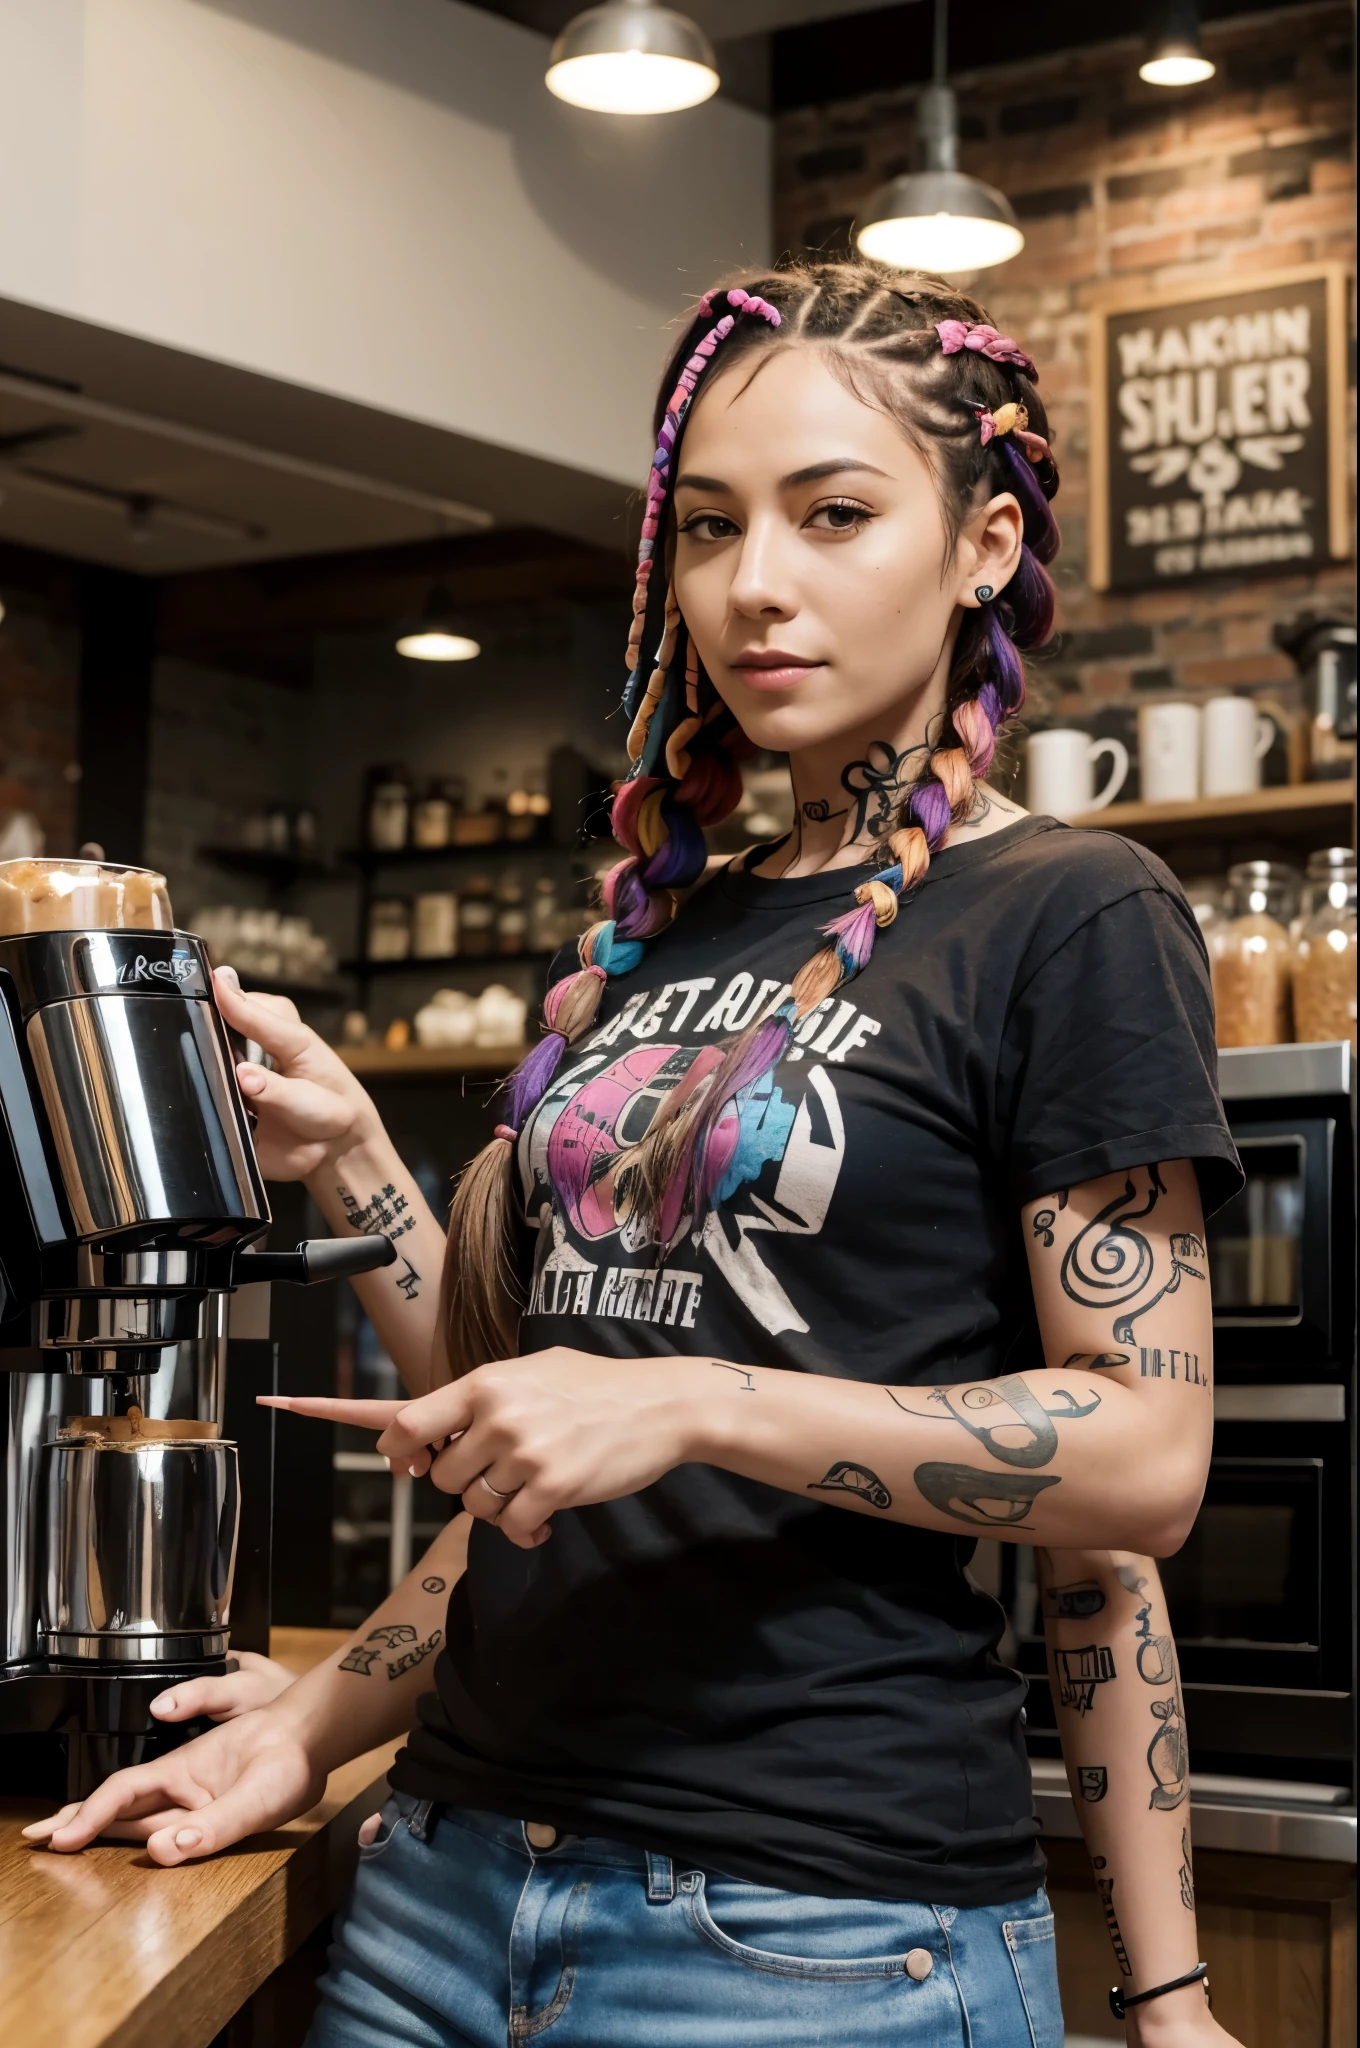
(660, 1879)
(418, 1822)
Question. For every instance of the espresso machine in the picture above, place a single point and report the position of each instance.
(129, 1359)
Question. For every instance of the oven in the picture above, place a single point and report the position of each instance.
(1261, 1594)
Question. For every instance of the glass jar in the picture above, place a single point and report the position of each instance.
(477, 918)
(1204, 894)
(436, 925)
(389, 928)
(512, 917)
(387, 821)
(1325, 949)
(1250, 954)
(432, 819)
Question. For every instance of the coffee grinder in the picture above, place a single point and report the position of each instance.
(133, 1206)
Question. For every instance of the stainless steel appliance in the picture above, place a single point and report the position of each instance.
(1262, 1594)
(133, 1209)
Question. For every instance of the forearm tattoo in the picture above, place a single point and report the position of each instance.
(395, 1647)
(1093, 1781)
(1168, 1754)
(1110, 1263)
(1018, 1430)
(1187, 1873)
(749, 1385)
(843, 1477)
(1077, 1602)
(1105, 1886)
(386, 1214)
(1080, 1672)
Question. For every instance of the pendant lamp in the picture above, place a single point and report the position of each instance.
(937, 218)
(1177, 56)
(437, 634)
(632, 57)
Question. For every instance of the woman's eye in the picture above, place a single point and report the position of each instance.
(841, 516)
(710, 526)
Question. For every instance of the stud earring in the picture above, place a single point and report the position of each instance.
(983, 592)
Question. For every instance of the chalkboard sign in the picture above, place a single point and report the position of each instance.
(1217, 432)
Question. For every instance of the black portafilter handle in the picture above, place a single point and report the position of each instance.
(316, 1258)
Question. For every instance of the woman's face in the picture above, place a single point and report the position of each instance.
(811, 560)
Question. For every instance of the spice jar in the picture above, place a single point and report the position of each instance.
(388, 812)
(389, 928)
(435, 925)
(1325, 949)
(477, 918)
(432, 819)
(1250, 954)
(512, 917)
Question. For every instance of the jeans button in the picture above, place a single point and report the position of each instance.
(919, 1964)
(539, 1835)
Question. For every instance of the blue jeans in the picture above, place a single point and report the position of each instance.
(460, 1934)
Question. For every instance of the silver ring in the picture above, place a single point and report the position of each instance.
(496, 1490)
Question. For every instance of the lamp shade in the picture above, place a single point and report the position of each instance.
(437, 633)
(631, 57)
(1176, 55)
(939, 220)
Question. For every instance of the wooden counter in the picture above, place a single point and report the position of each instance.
(105, 1950)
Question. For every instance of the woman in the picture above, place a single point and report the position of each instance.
(850, 1213)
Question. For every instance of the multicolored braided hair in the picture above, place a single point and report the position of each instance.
(964, 395)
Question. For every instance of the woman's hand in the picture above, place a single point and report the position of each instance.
(310, 1107)
(525, 1436)
(241, 1779)
(256, 1682)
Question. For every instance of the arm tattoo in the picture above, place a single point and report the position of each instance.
(1076, 1602)
(1094, 1782)
(843, 1477)
(741, 1372)
(1080, 1672)
(1156, 1654)
(1187, 1873)
(1105, 1886)
(432, 1585)
(1042, 1221)
(1020, 1428)
(393, 1636)
(1097, 1361)
(1168, 1757)
(984, 1499)
(1110, 1264)
(388, 1214)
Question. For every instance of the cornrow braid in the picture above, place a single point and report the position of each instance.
(926, 355)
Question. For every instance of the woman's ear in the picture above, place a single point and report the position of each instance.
(988, 551)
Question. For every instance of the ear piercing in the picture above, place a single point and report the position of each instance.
(983, 592)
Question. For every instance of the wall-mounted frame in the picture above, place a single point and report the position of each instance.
(1218, 430)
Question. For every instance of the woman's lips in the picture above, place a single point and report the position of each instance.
(775, 671)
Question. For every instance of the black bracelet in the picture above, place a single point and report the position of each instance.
(1120, 2001)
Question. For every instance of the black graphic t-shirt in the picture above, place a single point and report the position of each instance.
(755, 1681)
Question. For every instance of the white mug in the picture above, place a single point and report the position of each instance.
(1237, 737)
(1169, 751)
(1062, 772)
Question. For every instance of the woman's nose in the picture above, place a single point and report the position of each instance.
(763, 585)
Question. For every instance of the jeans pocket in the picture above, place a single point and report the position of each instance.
(396, 1811)
(792, 1934)
(1034, 1957)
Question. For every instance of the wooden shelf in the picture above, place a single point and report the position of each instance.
(280, 870)
(370, 857)
(426, 1062)
(415, 964)
(1299, 810)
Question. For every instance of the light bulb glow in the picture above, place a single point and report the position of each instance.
(1186, 66)
(940, 241)
(631, 82)
(438, 647)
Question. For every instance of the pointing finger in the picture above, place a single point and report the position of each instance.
(378, 1415)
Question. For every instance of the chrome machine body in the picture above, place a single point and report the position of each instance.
(133, 1206)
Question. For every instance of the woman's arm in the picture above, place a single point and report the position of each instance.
(1108, 1446)
(1117, 1694)
(263, 1768)
(316, 1124)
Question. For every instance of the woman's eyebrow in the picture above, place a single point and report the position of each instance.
(815, 473)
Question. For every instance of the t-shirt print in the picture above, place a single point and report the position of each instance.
(781, 1147)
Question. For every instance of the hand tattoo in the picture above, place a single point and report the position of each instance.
(844, 1477)
(984, 1499)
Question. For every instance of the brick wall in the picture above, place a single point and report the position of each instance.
(1114, 180)
(39, 665)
